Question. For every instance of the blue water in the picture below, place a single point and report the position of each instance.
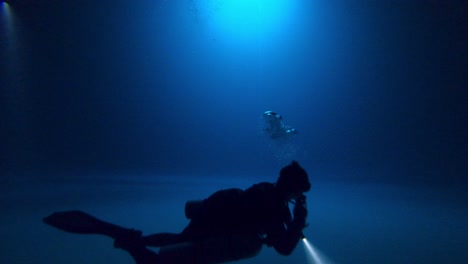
(128, 109)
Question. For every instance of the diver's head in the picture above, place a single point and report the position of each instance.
(293, 180)
(272, 115)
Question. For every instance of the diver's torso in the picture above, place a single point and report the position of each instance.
(238, 211)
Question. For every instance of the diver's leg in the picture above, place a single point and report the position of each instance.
(184, 253)
(162, 239)
(144, 256)
(136, 248)
(82, 223)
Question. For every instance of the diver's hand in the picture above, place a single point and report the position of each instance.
(301, 199)
(300, 213)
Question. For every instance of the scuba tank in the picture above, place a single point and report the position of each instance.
(193, 208)
(210, 250)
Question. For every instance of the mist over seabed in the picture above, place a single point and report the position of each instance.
(348, 223)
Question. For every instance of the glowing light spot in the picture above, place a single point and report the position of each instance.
(246, 18)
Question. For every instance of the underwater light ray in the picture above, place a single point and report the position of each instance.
(9, 27)
(313, 255)
(7, 15)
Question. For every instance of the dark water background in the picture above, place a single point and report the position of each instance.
(128, 109)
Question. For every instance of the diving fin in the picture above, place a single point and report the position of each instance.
(79, 222)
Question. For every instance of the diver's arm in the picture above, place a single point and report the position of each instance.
(289, 239)
(285, 239)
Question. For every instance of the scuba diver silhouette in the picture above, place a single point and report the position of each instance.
(231, 224)
(273, 126)
(280, 138)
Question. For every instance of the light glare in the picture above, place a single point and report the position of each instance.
(6, 13)
(313, 255)
(246, 19)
